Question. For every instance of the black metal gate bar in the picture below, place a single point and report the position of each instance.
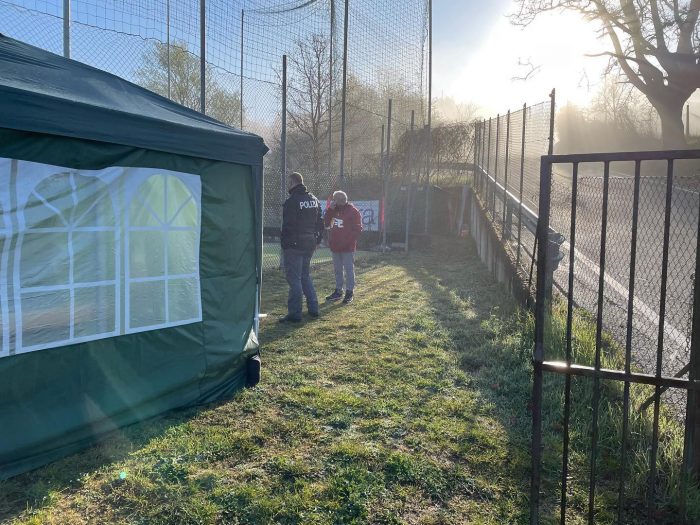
(660, 348)
(569, 320)
(628, 344)
(538, 357)
(598, 345)
(618, 375)
(691, 452)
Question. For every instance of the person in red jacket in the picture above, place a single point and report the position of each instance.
(344, 224)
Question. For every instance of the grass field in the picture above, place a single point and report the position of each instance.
(272, 253)
(409, 406)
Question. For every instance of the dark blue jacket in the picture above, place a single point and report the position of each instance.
(302, 221)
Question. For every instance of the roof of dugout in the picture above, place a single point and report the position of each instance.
(46, 93)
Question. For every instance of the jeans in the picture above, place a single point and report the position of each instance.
(296, 268)
(344, 261)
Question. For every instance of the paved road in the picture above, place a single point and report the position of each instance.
(682, 252)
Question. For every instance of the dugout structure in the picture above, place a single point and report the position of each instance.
(130, 255)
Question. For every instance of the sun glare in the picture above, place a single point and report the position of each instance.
(514, 65)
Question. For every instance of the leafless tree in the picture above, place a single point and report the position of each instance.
(655, 43)
(617, 102)
(309, 105)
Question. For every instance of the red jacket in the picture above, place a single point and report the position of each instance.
(345, 225)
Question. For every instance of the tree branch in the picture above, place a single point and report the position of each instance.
(658, 26)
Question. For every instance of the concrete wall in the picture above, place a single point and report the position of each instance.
(493, 253)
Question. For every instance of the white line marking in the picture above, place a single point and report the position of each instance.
(678, 337)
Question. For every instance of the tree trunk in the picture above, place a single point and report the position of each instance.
(670, 110)
(672, 132)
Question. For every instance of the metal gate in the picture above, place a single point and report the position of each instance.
(633, 269)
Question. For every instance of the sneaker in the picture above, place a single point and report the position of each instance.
(335, 296)
(348, 298)
(314, 315)
(288, 319)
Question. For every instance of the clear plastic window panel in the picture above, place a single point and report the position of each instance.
(92, 254)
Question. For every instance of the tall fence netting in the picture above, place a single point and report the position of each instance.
(507, 179)
(158, 44)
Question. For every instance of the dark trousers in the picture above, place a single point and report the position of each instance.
(297, 265)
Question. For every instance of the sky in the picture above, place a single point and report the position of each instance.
(477, 52)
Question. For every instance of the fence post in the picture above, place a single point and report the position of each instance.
(552, 107)
(330, 87)
(283, 175)
(495, 169)
(506, 203)
(428, 190)
(520, 194)
(345, 86)
(381, 177)
(387, 175)
(476, 152)
(409, 187)
(241, 73)
(66, 28)
(203, 56)
(482, 152)
(167, 40)
(488, 169)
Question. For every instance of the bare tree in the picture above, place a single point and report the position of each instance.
(447, 110)
(655, 43)
(618, 103)
(530, 69)
(308, 95)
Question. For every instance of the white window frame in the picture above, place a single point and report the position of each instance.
(165, 227)
(71, 286)
(121, 186)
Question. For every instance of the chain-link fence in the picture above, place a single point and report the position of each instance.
(648, 226)
(159, 44)
(507, 155)
(508, 183)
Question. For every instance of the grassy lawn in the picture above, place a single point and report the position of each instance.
(409, 406)
(392, 410)
(272, 253)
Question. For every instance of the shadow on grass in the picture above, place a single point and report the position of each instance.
(494, 343)
(37, 488)
(484, 325)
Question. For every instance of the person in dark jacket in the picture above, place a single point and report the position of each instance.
(302, 230)
(345, 225)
